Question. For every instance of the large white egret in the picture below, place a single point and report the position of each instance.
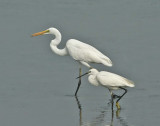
(79, 51)
(110, 80)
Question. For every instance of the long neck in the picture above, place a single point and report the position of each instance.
(93, 80)
(55, 42)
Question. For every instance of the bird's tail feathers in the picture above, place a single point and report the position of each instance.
(130, 83)
(107, 62)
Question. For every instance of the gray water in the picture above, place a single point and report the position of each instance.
(37, 87)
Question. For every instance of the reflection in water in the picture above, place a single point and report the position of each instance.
(80, 111)
(121, 119)
(100, 119)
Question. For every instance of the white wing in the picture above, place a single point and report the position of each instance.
(113, 80)
(84, 52)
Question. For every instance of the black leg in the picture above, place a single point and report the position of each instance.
(79, 83)
(116, 96)
(112, 100)
(122, 95)
(113, 96)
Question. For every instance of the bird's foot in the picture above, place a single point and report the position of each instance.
(118, 106)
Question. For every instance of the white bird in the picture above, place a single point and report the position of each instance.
(79, 51)
(110, 80)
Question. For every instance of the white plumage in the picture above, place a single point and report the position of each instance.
(108, 79)
(83, 52)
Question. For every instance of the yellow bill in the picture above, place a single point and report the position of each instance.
(40, 33)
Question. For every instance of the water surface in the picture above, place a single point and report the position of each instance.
(37, 86)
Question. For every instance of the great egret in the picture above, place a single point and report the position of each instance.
(79, 51)
(110, 80)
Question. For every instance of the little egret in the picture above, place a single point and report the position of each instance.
(79, 51)
(110, 80)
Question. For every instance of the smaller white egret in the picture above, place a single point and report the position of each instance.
(110, 80)
(79, 51)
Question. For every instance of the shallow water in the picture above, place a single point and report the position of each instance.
(37, 87)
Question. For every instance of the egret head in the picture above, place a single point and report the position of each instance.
(90, 72)
(93, 71)
(47, 31)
